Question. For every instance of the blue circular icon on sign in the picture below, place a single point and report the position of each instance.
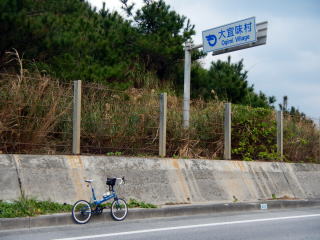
(212, 40)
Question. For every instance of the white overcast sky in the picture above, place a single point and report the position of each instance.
(290, 62)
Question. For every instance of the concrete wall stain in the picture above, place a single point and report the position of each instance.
(258, 183)
(178, 182)
(16, 160)
(195, 193)
(77, 175)
(294, 184)
(248, 182)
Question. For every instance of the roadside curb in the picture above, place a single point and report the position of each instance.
(167, 211)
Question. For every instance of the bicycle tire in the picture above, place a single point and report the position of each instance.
(81, 212)
(119, 209)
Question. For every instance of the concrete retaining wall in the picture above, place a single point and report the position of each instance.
(160, 181)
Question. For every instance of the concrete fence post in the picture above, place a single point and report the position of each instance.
(227, 131)
(76, 118)
(163, 125)
(319, 140)
(280, 133)
(186, 87)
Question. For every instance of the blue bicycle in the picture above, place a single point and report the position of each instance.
(82, 210)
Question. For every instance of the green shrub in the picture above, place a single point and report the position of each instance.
(31, 207)
(133, 203)
(253, 134)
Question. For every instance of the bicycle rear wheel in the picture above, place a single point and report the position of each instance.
(81, 212)
(119, 209)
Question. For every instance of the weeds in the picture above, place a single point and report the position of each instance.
(253, 134)
(114, 154)
(25, 207)
(36, 117)
(132, 203)
(35, 113)
(235, 199)
(301, 141)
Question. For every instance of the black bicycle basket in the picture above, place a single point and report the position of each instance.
(111, 181)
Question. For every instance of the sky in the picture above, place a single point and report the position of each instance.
(289, 64)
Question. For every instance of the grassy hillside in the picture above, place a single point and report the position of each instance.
(36, 117)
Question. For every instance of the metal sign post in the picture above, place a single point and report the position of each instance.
(224, 39)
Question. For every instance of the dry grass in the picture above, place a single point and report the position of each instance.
(204, 138)
(301, 139)
(119, 121)
(34, 112)
(36, 117)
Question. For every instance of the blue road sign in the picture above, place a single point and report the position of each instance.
(230, 35)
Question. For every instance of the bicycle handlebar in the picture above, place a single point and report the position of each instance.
(122, 180)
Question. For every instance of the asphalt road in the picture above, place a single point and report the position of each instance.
(291, 224)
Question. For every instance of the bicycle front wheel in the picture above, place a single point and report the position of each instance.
(81, 212)
(119, 209)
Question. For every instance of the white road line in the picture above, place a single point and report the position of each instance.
(188, 227)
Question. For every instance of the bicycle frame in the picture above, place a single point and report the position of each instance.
(104, 199)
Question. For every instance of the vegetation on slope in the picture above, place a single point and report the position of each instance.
(36, 117)
(124, 63)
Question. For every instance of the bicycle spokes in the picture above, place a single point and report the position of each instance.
(81, 211)
(119, 209)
